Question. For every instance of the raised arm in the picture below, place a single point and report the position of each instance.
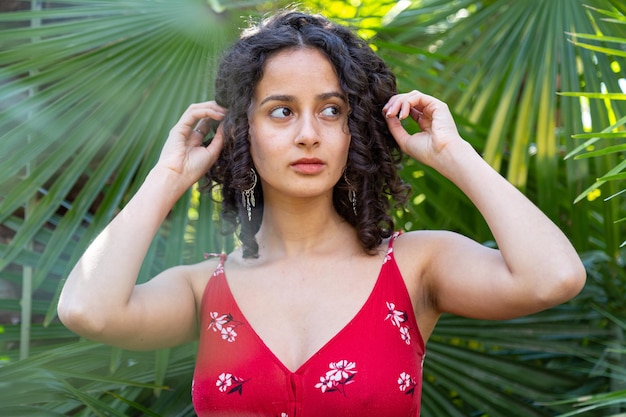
(535, 266)
(100, 300)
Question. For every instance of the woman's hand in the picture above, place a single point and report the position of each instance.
(183, 152)
(438, 130)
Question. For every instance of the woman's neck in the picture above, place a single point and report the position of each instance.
(302, 226)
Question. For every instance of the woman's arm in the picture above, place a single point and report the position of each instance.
(100, 300)
(535, 266)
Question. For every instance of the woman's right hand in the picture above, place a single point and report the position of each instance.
(183, 152)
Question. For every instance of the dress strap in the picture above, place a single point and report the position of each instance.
(222, 257)
(394, 236)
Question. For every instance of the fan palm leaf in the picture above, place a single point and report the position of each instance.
(510, 59)
(89, 89)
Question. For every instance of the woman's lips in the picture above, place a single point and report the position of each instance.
(308, 166)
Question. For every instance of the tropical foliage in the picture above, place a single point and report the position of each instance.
(89, 89)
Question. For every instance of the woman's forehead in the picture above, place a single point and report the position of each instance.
(295, 72)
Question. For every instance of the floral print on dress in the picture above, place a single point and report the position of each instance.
(407, 383)
(224, 324)
(228, 383)
(399, 318)
(339, 375)
(388, 255)
(390, 248)
(219, 270)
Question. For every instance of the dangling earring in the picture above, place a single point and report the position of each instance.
(351, 192)
(247, 196)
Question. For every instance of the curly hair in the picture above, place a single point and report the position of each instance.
(373, 156)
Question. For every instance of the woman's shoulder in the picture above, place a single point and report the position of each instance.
(203, 270)
(415, 249)
(423, 239)
(209, 264)
(419, 238)
(199, 273)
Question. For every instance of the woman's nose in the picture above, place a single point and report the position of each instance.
(308, 134)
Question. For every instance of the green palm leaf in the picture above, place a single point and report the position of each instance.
(76, 376)
(510, 61)
(89, 89)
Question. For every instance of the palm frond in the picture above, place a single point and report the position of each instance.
(510, 61)
(89, 89)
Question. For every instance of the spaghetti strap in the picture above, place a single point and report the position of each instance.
(393, 237)
(222, 257)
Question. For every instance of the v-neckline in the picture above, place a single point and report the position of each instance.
(326, 344)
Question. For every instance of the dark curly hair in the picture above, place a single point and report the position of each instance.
(373, 156)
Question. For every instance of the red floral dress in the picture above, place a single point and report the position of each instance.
(372, 367)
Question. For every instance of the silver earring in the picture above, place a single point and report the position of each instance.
(351, 192)
(247, 196)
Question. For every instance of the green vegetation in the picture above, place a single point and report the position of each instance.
(89, 90)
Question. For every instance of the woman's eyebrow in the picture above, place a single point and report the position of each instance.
(279, 97)
(290, 99)
(332, 94)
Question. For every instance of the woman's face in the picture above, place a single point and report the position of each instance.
(298, 120)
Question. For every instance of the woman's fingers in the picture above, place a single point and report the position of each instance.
(400, 105)
(196, 120)
(437, 127)
(205, 127)
(183, 151)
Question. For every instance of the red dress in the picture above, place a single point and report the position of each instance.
(372, 367)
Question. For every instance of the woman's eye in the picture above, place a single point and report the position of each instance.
(330, 111)
(280, 112)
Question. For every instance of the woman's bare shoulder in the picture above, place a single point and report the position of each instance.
(198, 274)
(415, 250)
(421, 240)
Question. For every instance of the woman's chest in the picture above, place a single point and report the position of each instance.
(297, 309)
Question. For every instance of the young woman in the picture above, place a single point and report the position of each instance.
(323, 310)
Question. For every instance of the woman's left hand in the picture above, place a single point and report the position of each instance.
(438, 130)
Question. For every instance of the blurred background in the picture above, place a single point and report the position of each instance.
(90, 88)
